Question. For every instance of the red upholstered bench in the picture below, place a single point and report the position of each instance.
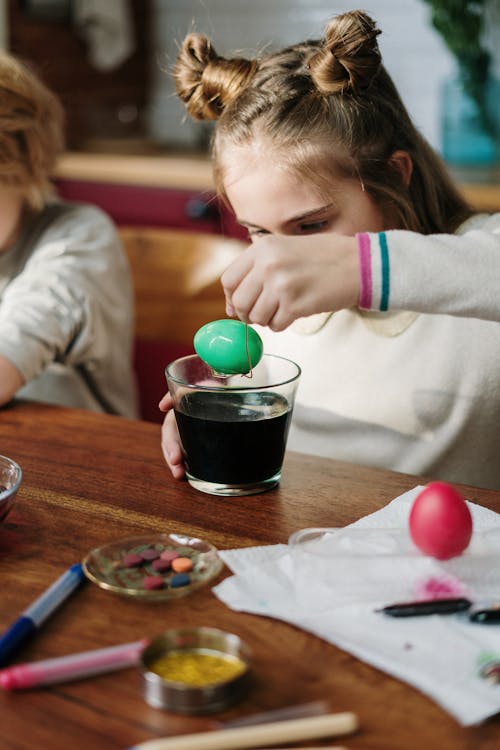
(150, 360)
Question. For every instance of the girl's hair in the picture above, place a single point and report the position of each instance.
(31, 131)
(326, 108)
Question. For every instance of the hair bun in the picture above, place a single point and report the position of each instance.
(207, 83)
(349, 57)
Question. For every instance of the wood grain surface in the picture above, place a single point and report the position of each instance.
(90, 479)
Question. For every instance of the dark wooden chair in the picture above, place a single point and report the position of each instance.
(176, 277)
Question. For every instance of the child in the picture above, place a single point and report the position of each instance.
(348, 209)
(66, 306)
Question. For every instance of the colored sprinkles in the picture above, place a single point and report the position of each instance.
(180, 579)
(142, 566)
(132, 560)
(162, 567)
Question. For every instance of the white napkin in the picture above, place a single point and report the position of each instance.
(441, 655)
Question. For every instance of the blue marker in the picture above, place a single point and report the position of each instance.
(39, 611)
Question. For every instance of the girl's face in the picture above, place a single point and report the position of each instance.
(267, 199)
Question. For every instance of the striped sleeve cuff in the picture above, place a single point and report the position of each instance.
(374, 270)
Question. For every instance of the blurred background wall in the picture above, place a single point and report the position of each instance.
(413, 52)
(109, 59)
(3, 24)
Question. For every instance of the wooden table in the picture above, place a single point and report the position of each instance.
(90, 479)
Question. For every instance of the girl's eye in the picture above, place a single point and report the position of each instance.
(313, 226)
(254, 233)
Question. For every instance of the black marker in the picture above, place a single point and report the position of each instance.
(491, 615)
(428, 607)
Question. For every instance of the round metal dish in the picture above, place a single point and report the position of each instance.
(185, 698)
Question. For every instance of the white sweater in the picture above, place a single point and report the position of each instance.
(412, 392)
(66, 310)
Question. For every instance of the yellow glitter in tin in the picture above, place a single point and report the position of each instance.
(197, 668)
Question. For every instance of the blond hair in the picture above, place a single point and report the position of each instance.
(31, 131)
(326, 108)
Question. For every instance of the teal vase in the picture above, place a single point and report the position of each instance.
(470, 129)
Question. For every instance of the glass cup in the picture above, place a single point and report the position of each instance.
(233, 429)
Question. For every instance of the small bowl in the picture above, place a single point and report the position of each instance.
(324, 543)
(104, 566)
(10, 480)
(225, 679)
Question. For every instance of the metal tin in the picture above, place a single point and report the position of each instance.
(184, 698)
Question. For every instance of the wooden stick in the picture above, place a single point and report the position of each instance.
(294, 730)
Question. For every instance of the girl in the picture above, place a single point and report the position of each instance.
(348, 209)
(66, 306)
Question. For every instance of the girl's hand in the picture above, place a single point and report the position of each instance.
(280, 278)
(170, 441)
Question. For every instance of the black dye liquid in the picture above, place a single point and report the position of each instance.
(233, 438)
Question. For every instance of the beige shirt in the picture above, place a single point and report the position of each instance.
(405, 389)
(66, 311)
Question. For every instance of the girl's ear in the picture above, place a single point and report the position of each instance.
(402, 162)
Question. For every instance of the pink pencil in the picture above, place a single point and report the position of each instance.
(72, 667)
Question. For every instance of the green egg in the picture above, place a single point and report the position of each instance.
(223, 346)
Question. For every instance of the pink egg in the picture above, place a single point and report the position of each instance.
(440, 521)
